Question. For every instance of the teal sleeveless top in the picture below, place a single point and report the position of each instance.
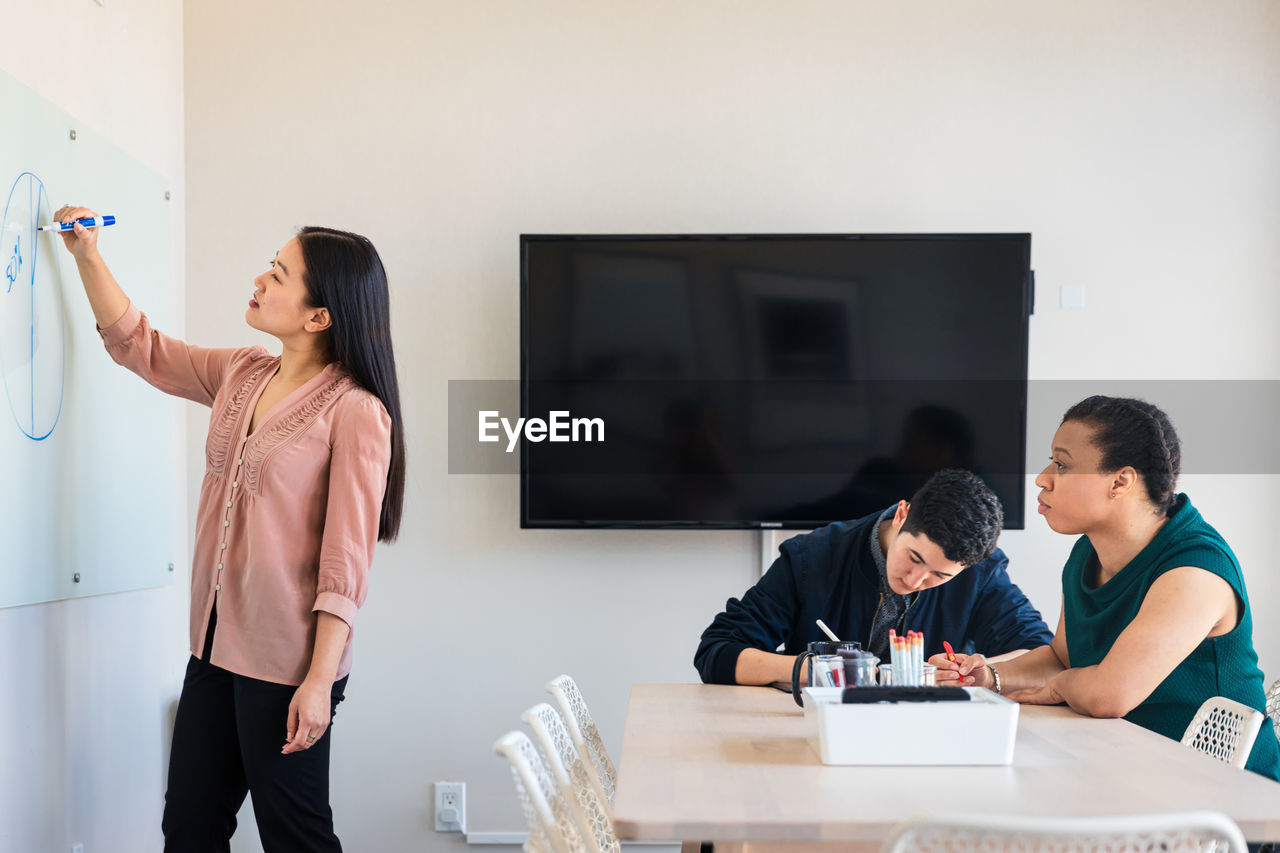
(1219, 666)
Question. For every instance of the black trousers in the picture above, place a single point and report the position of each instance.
(226, 743)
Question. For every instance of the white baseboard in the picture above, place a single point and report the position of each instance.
(521, 837)
(497, 837)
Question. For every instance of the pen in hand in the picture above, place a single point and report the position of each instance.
(951, 656)
(87, 222)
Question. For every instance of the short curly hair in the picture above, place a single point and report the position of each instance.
(959, 513)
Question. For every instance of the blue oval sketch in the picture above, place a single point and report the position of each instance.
(32, 322)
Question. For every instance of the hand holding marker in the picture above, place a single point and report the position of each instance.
(88, 222)
(951, 656)
(79, 228)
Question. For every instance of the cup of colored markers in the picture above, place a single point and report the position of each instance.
(907, 659)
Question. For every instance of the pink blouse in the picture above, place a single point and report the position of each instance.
(288, 516)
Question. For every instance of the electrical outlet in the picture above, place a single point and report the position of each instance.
(451, 806)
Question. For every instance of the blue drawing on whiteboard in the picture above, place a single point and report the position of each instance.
(15, 264)
(32, 323)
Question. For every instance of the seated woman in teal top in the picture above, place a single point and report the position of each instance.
(1155, 617)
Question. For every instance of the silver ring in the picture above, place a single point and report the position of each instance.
(311, 738)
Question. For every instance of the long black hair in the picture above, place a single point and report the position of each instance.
(1134, 433)
(344, 275)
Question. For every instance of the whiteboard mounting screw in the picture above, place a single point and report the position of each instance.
(73, 136)
(76, 577)
(166, 195)
(171, 567)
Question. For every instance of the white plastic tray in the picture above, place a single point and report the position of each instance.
(980, 731)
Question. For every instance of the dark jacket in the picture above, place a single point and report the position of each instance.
(829, 574)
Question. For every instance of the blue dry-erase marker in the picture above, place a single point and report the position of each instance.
(89, 222)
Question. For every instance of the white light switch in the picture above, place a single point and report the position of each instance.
(1071, 295)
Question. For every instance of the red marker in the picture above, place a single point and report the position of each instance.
(951, 656)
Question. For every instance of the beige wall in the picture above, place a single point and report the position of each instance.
(1111, 131)
(87, 684)
(1135, 141)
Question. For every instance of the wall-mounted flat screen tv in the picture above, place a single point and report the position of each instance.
(781, 380)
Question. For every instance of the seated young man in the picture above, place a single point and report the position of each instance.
(930, 565)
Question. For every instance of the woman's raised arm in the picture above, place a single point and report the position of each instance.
(106, 298)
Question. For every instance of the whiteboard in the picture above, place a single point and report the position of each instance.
(86, 447)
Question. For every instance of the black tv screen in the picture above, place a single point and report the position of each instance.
(746, 381)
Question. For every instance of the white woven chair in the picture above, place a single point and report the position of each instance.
(1175, 832)
(573, 776)
(1224, 729)
(1273, 705)
(553, 826)
(586, 737)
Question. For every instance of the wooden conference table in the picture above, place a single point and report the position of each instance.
(732, 764)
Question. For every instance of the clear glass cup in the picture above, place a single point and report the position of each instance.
(860, 671)
(817, 649)
(929, 676)
(826, 671)
(886, 675)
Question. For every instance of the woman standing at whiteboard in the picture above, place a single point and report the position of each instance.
(304, 472)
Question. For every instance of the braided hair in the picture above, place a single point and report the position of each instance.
(1134, 433)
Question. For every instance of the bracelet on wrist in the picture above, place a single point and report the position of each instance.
(995, 676)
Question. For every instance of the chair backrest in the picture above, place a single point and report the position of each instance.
(1175, 832)
(1224, 729)
(586, 737)
(1273, 705)
(553, 826)
(573, 776)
